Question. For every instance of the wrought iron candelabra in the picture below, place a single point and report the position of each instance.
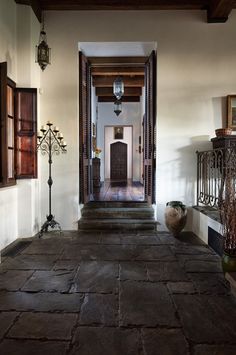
(50, 142)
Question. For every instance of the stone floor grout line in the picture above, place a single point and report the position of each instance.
(20, 289)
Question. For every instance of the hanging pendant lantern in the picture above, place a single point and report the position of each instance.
(43, 52)
(117, 107)
(118, 88)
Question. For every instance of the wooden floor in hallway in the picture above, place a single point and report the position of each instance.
(119, 191)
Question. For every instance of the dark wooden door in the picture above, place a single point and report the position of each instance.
(149, 127)
(119, 161)
(84, 128)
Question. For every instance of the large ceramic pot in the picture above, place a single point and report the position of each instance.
(228, 262)
(175, 217)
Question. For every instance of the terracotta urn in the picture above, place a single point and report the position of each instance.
(175, 217)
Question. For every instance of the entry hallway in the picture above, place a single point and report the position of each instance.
(115, 294)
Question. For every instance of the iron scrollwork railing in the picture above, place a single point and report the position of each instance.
(212, 168)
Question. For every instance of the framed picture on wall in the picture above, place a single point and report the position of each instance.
(231, 116)
(118, 132)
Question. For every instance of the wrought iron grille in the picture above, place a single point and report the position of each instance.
(213, 166)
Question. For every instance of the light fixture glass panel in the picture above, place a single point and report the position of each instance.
(118, 88)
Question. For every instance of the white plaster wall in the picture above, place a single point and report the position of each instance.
(19, 205)
(200, 223)
(130, 115)
(196, 70)
(108, 140)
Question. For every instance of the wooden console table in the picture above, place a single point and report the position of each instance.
(96, 163)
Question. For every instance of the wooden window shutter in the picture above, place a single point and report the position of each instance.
(26, 133)
(3, 122)
(150, 129)
(84, 128)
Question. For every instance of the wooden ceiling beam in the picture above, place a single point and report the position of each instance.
(124, 99)
(115, 70)
(117, 60)
(122, 4)
(129, 81)
(35, 5)
(128, 91)
(219, 10)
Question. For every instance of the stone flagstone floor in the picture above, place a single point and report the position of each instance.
(115, 294)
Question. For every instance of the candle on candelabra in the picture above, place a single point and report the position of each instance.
(60, 136)
(49, 123)
(56, 129)
(39, 135)
(43, 128)
(63, 143)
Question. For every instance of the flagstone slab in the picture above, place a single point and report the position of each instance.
(110, 239)
(146, 304)
(70, 265)
(214, 350)
(96, 276)
(6, 321)
(106, 341)
(210, 283)
(13, 280)
(202, 266)
(99, 252)
(35, 347)
(166, 271)
(207, 319)
(49, 281)
(133, 271)
(139, 239)
(45, 247)
(181, 287)
(99, 309)
(87, 238)
(188, 249)
(164, 342)
(40, 302)
(29, 262)
(148, 253)
(43, 325)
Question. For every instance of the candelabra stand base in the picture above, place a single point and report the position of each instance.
(50, 222)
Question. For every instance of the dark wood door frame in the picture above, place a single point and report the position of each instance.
(149, 128)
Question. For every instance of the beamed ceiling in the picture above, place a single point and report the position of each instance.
(104, 70)
(216, 10)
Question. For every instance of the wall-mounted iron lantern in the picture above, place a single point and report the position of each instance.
(43, 52)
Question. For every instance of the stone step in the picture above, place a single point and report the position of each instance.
(116, 224)
(117, 204)
(118, 212)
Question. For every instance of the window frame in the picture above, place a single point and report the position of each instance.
(23, 141)
(5, 180)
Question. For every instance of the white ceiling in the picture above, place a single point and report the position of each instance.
(116, 49)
